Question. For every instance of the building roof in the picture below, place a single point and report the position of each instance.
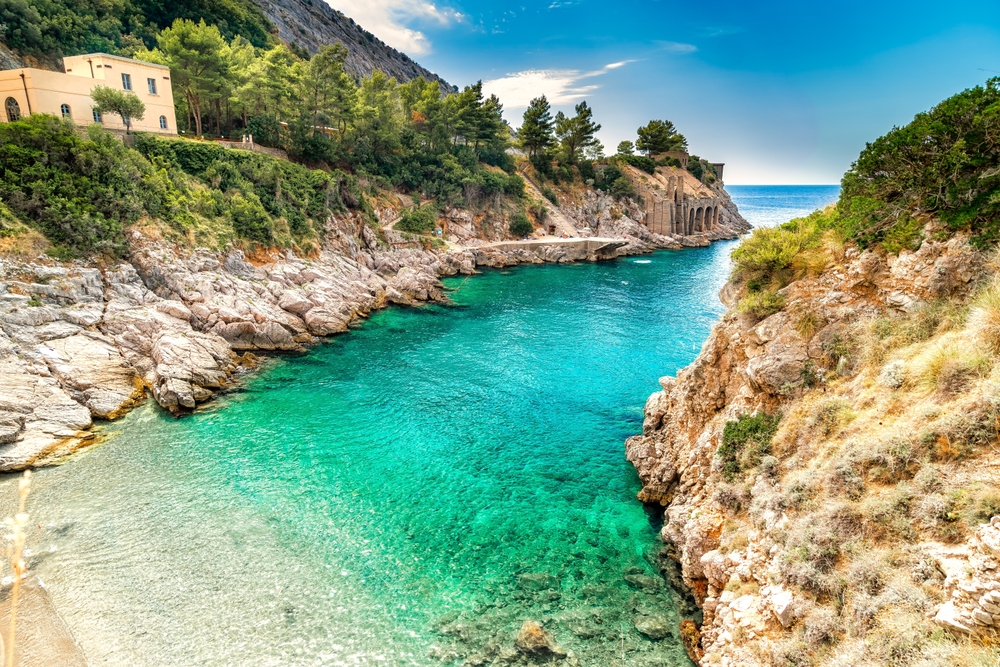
(122, 58)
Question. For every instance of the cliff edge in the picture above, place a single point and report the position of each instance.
(829, 461)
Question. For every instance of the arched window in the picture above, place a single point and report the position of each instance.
(97, 116)
(64, 110)
(13, 109)
(163, 122)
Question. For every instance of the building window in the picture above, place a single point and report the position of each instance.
(163, 122)
(64, 110)
(97, 116)
(152, 86)
(127, 121)
(13, 109)
(126, 81)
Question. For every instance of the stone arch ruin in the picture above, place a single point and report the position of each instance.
(673, 209)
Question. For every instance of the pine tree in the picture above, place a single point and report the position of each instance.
(660, 136)
(535, 135)
(576, 133)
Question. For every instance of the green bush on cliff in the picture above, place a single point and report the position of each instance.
(944, 162)
(303, 197)
(761, 304)
(79, 193)
(745, 441)
(419, 220)
(521, 225)
(647, 164)
(772, 257)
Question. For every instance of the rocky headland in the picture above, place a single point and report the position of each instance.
(858, 529)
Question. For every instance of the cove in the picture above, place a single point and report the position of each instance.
(406, 494)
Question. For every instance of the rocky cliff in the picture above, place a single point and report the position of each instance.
(828, 470)
(312, 24)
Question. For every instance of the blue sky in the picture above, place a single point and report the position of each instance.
(782, 92)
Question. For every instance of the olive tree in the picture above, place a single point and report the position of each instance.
(118, 102)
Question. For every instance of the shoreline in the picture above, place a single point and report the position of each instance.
(131, 342)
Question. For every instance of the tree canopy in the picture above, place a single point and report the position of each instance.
(660, 136)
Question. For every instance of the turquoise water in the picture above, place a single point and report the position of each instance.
(769, 205)
(405, 494)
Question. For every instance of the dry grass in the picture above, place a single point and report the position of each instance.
(951, 363)
(984, 318)
(23, 243)
(874, 465)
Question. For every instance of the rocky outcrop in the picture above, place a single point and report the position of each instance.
(314, 24)
(748, 366)
(973, 584)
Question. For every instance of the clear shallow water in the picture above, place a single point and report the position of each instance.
(406, 494)
(769, 205)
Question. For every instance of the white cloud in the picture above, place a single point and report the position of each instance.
(560, 86)
(389, 20)
(677, 47)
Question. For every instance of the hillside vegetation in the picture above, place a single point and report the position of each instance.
(51, 29)
(82, 193)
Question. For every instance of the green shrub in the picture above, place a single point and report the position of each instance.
(304, 197)
(945, 162)
(767, 258)
(550, 194)
(250, 220)
(538, 210)
(521, 225)
(622, 189)
(646, 164)
(745, 441)
(761, 304)
(79, 193)
(606, 176)
(419, 220)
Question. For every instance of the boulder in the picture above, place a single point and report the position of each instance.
(781, 603)
(537, 581)
(534, 640)
(188, 366)
(295, 301)
(781, 364)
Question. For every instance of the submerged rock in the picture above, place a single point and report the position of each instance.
(655, 627)
(537, 581)
(534, 640)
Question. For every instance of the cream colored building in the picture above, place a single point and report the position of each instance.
(26, 91)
